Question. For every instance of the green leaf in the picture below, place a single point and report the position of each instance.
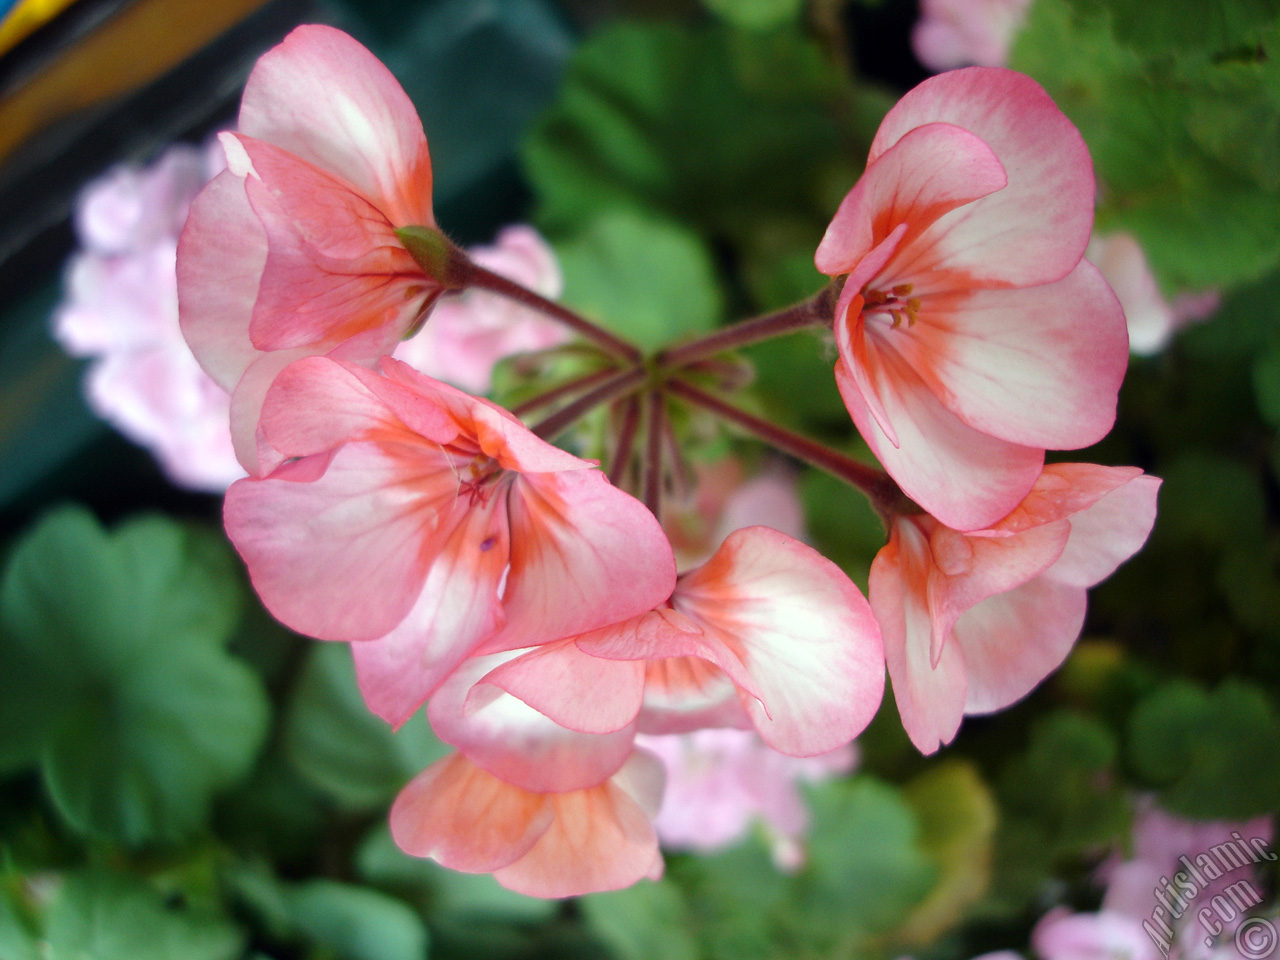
(114, 652)
(115, 916)
(957, 825)
(1266, 384)
(646, 278)
(356, 923)
(756, 14)
(842, 523)
(1187, 26)
(1213, 754)
(648, 921)
(1213, 499)
(867, 857)
(340, 747)
(722, 129)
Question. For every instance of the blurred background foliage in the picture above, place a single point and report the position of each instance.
(181, 779)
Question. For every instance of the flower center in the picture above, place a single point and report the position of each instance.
(475, 480)
(897, 303)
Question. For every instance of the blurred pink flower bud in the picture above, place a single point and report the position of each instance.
(962, 33)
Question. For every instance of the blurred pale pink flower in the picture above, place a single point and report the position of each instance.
(722, 501)
(962, 33)
(121, 309)
(1106, 935)
(720, 782)
(469, 333)
(1152, 319)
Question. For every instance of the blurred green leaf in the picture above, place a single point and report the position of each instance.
(644, 277)
(115, 916)
(114, 655)
(868, 862)
(1213, 499)
(648, 921)
(1187, 26)
(756, 14)
(343, 749)
(842, 523)
(356, 923)
(957, 825)
(1212, 753)
(718, 128)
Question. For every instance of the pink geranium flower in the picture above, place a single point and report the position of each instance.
(471, 331)
(961, 33)
(972, 336)
(121, 309)
(766, 634)
(292, 251)
(541, 843)
(419, 521)
(973, 621)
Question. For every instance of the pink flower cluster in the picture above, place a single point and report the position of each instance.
(534, 608)
(973, 335)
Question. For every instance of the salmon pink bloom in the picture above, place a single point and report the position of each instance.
(417, 521)
(767, 633)
(972, 336)
(544, 844)
(292, 251)
(973, 621)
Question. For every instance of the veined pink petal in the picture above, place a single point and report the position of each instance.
(1038, 366)
(804, 633)
(583, 554)
(1061, 492)
(460, 604)
(342, 557)
(334, 267)
(965, 478)
(513, 741)
(930, 171)
(930, 697)
(1013, 640)
(1034, 230)
(1107, 533)
(581, 692)
(965, 570)
(683, 694)
(468, 819)
(325, 98)
(221, 253)
(600, 838)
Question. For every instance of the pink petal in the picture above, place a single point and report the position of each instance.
(1039, 366)
(683, 694)
(967, 570)
(1062, 491)
(513, 741)
(804, 633)
(459, 606)
(334, 267)
(1034, 230)
(600, 839)
(1013, 640)
(583, 554)
(930, 697)
(967, 479)
(583, 693)
(467, 819)
(322, 96)
(1108, 533)
(221, 254)
(340, 557)
(930, 171)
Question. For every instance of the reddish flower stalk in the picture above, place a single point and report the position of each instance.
(565, 389)
(626, 441)
(817, 311)
(471, 274)
(655, 427)
(876, 484)
(618, 385)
